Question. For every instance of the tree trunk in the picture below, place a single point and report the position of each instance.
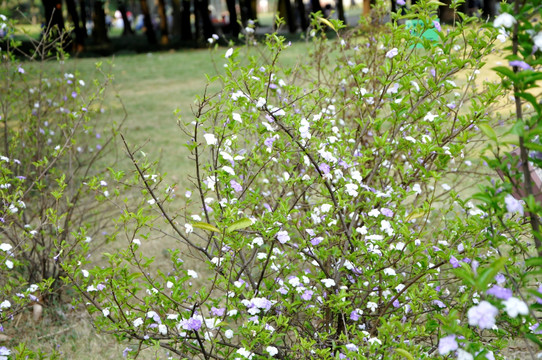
(164, 38)
(99, 32)
(176, 26)
(79, 35)
(316, 6)
(340, 11)
(203, 17)
(127, 26)
(303, 19)
(366, 8)
(393, 5)
(83, 11)
(186, 28)
(54, 22)
(234, 26)
(488, 9)
(149, 29)
(285, 12)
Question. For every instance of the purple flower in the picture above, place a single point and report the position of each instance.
(74, 94)
(218, 312)
(126, 351)
(100, 287)
(324, 168)
(500, 292)
(307, 295)
(269, 142)
(354, 316)
(513, 205)
(401, 2)
(283, 291)
(386, 212)
(236, 186)
(482, 315)
(192, 324)
(396, 303)
(20, 70)
(439, 303)
(500, 279)
(454, 262)
(436, 24)
(447, 344)
(392, 53)
(521, 64)
(317, 240)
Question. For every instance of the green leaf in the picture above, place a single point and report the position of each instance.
(239, 224)
(534, 261)
(488, 274)
(534, 339)
(205, 226)
(404, 353)
(488, 131)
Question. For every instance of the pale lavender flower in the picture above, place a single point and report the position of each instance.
(392, 53)
(386, 212)
(521, 64)
(447, 344)
(218, 312)
(513, 205)
(307, 295)
(317, 240)
(482, 315)
(100, 287)
(354, 315)
(401, 2)
(437, 26)
(500, 292)
(454, 262)
(236, 186)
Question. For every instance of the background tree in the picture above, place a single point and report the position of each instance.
(147, 21)
(488, 9)
(54, 21)
(164, 38)
(99, 31)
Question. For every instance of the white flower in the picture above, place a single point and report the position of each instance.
(33, 288)
(374, 213)
(106, 312)
(374, 340)
(537, 40)
(138, 322)
(372, 305)
(188, 228)
(211, 139)
(325, 208)
(392, 53)
(228, 53)
(236, 117)
(169, 284)
(228, 334)
(351, 189)
(515, 307)
(463, 355)
(162, 329)
(328, 282)
(91, 288)
(192, 274)
(5, 247)
(137, 242)
(85, 273)
(5, 304)
(272, 350)
(245, 353)
(390, 272)
(504, 20)
(430, 117)
(9, 264)
(228, 169)
(446, 187)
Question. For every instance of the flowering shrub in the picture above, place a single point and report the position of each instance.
(507, 277)
(327, 218)
(49, 147)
